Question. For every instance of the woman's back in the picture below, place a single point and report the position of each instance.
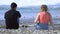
(44, 17)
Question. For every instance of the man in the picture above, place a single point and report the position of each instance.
(12, 17)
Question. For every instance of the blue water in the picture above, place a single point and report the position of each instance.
(31, 12)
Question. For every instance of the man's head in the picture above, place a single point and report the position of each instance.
(13, 6)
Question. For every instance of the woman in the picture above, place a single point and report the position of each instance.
(43, 19)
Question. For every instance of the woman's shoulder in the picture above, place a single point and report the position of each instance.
(48, 13)
(38, 14)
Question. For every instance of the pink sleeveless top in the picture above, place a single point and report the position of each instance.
(44, 17)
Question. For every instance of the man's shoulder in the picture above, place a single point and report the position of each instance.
(7, 11)
(17, 11)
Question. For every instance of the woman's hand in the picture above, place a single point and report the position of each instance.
(35, 21)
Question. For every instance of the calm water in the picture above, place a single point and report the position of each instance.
(31, 12)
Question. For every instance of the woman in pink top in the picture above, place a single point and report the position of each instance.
(43, 19)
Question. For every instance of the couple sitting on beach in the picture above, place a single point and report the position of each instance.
(42, 20)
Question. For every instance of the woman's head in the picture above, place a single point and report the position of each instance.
(44, 8)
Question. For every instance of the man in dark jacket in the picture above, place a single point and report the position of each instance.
(12, 17)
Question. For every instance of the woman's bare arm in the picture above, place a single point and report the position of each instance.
(51, 23)
(37, 19)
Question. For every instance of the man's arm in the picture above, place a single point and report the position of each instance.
(19, 14)
(5, 15)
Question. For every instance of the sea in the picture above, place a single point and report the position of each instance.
(30, 13)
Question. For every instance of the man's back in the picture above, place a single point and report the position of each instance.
(12, 18)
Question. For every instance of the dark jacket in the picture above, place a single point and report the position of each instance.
(12, 19)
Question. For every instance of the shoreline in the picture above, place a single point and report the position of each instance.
(30, 23)
(31, 26)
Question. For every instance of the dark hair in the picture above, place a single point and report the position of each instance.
(13, 5)
(44, 8)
